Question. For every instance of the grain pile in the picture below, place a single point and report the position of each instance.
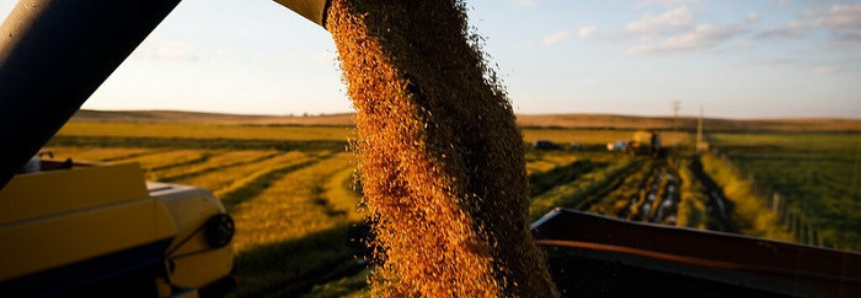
(441, 156)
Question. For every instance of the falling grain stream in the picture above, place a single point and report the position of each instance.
(441, 157)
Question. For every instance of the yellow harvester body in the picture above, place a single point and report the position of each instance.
(81, 230)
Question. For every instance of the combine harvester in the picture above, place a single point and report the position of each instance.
(72, 229)
(644, 143)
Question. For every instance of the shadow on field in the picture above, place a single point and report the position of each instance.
(720, 209)
(291, 268)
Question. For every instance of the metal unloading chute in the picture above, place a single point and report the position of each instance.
(55, 53)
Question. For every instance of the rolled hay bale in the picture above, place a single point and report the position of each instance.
(441, 157)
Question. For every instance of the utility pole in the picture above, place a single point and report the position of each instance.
(676, 107)
(700, 132)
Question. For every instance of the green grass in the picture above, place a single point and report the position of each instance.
(818, 174)
(693, 202)
(750, 214)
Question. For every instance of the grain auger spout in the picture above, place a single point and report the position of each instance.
(313, 10)
(55, 53)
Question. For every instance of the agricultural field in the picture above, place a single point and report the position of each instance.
(815, 174)
(292, 190)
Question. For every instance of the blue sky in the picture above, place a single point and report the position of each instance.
(737, 59)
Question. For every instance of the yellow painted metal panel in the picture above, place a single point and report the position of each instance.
(191, 208)
(46, 193)
(200, 264)
(36, 245)
(187, 294)
(198, 270)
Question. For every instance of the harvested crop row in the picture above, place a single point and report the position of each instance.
(617, 202)
(215, 163)
(290, 207)
(641, 209)
(544, 181)
(168, 159)
(574, 194)
(541, 162)
(98, 154)
(664, 206)
(342, 194)
(231, 178)
(441, 156)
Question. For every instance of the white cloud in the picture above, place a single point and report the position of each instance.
(791, 29)
(650, 26)
(843, 21)
(667, 2)
(702, 37)
(673, 31)
(525, 2)
(586, 31)
(158, 49)
(753, 17)
(826, 70)
(555, 37)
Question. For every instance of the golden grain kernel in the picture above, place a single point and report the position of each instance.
(441, 157)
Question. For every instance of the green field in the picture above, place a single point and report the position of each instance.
(291, 188)
(817, 174)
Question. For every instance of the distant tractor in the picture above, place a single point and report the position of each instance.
(546, 145)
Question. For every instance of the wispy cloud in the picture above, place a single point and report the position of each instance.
(701, 37)
(788, 30)
(843, 21)
(158, 49)
(587, 31)
(679, 30)
(827, 70)
(666, 2)
(671, 21)
(753, 17)
(555, 37)
(525, 2)
(775, 61)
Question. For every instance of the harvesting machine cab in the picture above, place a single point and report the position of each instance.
(78, 229)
